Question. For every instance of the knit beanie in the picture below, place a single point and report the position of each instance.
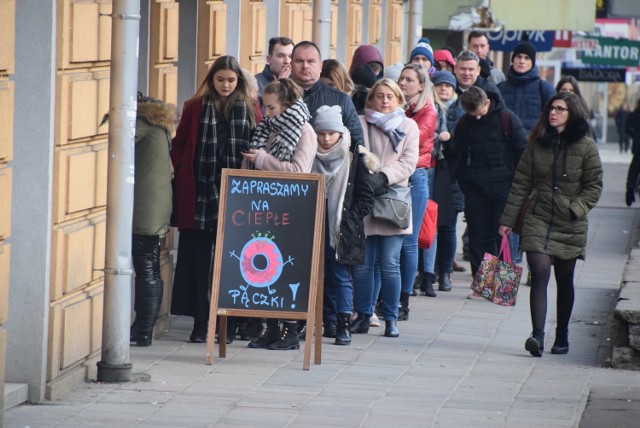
(443, 76)
(423, 48)
(525, 48)
(329, 118)
(393, 71)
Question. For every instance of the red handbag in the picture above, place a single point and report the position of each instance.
(429, 225)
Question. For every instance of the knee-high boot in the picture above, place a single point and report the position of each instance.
(147, 305)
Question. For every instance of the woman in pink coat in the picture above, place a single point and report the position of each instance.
(394, 138)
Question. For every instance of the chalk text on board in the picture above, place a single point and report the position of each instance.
(271, 188)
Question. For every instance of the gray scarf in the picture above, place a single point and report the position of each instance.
(334, 164)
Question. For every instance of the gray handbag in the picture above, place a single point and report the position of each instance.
(394, 206)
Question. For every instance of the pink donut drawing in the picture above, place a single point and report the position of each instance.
(263, 248)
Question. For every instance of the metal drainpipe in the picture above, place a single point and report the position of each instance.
(125, 27)
(414, 32)
(322, 26)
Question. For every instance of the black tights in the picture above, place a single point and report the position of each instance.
(540, 266)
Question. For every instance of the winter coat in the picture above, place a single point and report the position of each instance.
(183, 150)
(397, 166)
(358, 201)
(453, 115)
(486, 159)
(301, 159)
(526, 95)
(556, 221)
(321, 94)
(425, 118)
(152, 202)
(264, 78)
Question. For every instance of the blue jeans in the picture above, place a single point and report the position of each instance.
(446, 246)
(338, 289)
(514, 246)
(429, 256)
(386, 249)
(409, 252)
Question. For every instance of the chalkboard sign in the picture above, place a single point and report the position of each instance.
(269, 245)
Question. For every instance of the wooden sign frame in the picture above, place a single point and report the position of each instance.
(313, 313)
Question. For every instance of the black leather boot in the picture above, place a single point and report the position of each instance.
(254, 329)
(361, 324)
(561, 344)
(403, 312)
(391, 328)
(444, 282)
(535, 344)
(268, 336)
(426, 287)
(149, 287)
(330, 327)
(343, 332)
(288, 338)
(148, 296)
(199, 332)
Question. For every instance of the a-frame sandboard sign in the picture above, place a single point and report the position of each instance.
(269, 253)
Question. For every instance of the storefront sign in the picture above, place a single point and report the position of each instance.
(508, 40)
(608, 51)
(595, 74)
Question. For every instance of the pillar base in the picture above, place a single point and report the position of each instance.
(114, 372)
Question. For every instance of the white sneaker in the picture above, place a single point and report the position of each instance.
(374, 321)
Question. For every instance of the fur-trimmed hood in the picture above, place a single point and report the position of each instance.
(569, 135)
(159, 114)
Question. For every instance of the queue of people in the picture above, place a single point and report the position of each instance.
(441, 127)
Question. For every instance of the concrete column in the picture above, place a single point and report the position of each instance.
(32, 189)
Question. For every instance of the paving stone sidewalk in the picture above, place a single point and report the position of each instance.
(457, 363)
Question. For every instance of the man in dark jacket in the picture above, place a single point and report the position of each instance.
(467, 71)
(278, 63)
(305, 71)
(524, 92)
(486, 156)
(478, 42)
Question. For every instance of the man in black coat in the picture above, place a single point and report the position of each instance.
(305, 71)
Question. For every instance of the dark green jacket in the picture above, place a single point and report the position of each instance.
(556, 221)
(152, 194)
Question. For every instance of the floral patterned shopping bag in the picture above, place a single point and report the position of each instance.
(483, 280)
(506, 280)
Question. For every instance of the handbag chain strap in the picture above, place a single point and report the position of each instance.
(396, 211)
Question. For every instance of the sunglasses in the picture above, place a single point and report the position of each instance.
(557, 109)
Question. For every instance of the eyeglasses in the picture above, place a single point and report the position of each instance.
(557, 109)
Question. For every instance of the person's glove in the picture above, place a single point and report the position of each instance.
(378, 182)
(630, 197)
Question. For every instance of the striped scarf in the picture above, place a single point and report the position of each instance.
(287, 127)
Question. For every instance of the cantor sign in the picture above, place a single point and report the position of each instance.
(608, 51)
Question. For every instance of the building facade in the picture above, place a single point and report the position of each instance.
(54, 89)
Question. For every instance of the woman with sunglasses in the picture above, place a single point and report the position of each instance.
(562, 162)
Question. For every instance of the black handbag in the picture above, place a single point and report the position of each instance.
(394, 206)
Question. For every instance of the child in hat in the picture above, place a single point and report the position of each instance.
(349, 198)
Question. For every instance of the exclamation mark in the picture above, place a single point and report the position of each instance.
(294, 291)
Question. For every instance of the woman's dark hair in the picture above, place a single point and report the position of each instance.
(572, 81)
(240, 94)
(577, 113)
(287, 91)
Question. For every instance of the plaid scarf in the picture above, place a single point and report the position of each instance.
(388, 123)
(288, 129)
(212, 155)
